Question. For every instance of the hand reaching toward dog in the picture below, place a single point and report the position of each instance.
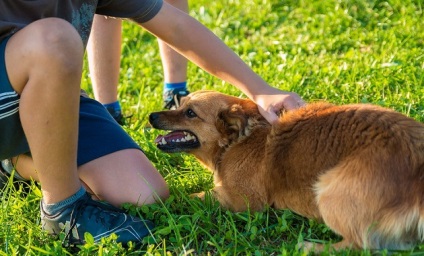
(271, 104)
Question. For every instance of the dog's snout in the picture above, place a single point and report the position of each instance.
(152, 117)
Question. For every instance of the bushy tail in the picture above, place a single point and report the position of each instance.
(397, 231)
(421, 203)
(421, 223)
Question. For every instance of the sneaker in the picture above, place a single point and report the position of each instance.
(117, 115)
(6, 169)
(97, 218)
(172, 98)
(4, 178)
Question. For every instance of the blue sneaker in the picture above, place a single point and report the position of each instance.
(172, 98)
(4, 178)
(97, 218)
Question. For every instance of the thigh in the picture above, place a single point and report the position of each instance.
(110, 163)
(99, 134)
(21, 55)
(125, 176)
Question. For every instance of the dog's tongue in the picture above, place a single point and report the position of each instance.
(170, 136)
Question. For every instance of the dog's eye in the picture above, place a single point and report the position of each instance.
(190, 113)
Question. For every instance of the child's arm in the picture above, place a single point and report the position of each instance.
(198, 44)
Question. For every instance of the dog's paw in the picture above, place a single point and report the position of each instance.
(200, 195)
(310, 248)
(306, 247)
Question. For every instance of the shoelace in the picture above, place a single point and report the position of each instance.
(77, 211)
(175, 98)
(172, 102)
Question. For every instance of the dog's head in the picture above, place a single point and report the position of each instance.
(206, 122)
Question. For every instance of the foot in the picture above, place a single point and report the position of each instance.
(97, 218)
(4, 178)
(172, 98)
(117, 115)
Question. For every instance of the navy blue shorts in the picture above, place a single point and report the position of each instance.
(99, 134)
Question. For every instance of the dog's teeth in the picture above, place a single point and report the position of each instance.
(163, 141)
(188, 137)
(178, 140)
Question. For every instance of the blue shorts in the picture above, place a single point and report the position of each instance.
(99, 134)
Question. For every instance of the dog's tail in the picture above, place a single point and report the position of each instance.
(401, 225)
(421, 223)
(421, 203)
(421, 220)
(402, 229)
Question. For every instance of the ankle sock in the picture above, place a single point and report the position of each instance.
(51, 209)
(116, 106)
(171, 86)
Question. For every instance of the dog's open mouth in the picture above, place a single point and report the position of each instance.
(177, 141)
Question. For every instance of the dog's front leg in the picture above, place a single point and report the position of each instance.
(225, 198)
(230, 199)
(200, 195)
(233, 200)
(316, 249)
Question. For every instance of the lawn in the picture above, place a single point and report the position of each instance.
(341, 51)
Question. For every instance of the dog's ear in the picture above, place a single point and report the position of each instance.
(236, 121)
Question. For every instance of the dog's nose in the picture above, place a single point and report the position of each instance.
(153, 117)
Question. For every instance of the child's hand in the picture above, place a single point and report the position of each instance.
(270, 105)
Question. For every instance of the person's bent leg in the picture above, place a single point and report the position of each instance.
(44, 65)
(125, 176)
(114, 170)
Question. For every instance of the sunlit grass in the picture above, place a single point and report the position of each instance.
(339, 51)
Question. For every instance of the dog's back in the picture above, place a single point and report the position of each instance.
(365, 165)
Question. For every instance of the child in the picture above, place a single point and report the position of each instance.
(104, 53)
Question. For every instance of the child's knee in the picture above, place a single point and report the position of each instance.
(163, 193)
(154, 190)
(56, 41)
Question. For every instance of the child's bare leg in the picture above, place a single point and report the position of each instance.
(44, 63)
(174, 64)
(125, 176)
(104, 55)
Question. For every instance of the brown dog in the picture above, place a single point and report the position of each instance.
(359, 168)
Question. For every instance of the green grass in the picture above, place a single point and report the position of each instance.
(335, 50)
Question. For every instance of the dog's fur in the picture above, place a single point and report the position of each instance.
(359, 168)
